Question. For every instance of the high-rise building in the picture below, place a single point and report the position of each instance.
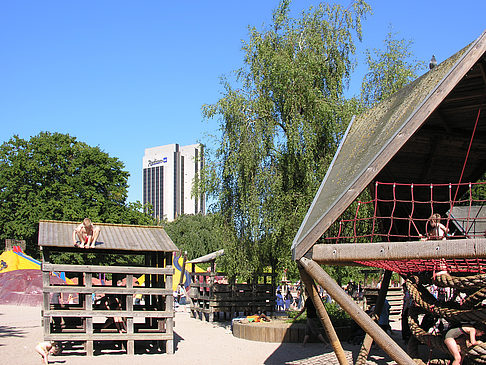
(168, 175)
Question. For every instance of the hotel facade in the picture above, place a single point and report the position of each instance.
(168, 175)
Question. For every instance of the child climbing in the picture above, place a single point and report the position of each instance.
(451, 340)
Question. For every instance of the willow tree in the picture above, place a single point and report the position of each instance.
(389, 69)
(281, 119)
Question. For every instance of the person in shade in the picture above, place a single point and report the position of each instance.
(313, 324)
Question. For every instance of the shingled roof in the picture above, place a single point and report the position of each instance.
(112, 237)
(419, 135)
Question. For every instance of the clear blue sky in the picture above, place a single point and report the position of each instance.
(128, 75)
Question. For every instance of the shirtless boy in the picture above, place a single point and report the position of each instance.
(86, 233)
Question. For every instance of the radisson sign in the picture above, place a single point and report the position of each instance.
(156, 162)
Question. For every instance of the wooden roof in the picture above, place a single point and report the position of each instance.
(419, 135)
(115, 237)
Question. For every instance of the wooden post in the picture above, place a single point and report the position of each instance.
(88, 302)
(324, 317)
(129, 309)
(169, 307)
(46, 302)
(368, 340)
(361, 318)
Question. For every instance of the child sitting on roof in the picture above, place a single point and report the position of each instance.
(86, 233)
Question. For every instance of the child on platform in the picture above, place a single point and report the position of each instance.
(87, 234)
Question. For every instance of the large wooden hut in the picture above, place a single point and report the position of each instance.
(131, 305)
(418, 153)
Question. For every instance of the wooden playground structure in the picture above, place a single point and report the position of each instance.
(418, 153)
(212, 300)
(108, 313)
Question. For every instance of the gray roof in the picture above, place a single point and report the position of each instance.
(470, 220)
(418, 135)
(112, 237)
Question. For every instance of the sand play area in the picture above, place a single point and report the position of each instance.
(196, 343)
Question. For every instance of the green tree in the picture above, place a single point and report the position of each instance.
(54, 176)
(280, 124)
(197, 234)
(389, 70)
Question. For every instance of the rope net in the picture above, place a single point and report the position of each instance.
(410, 212)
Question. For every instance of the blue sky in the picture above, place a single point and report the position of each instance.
(128, 75)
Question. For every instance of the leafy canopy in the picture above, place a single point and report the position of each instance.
(53, 176)
(389, 70)
(281, 119)
(197, 234)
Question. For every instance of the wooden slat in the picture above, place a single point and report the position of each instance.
(106, 313)
(115, 336)
(107, 290)
(137, 270)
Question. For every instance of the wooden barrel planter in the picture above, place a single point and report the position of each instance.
(278, 331)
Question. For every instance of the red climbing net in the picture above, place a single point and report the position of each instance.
(402, 212)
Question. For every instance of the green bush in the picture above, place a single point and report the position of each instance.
(339, 317)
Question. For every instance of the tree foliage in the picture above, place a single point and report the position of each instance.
(280, 126)
(53, 176)
(389, 70)
(197, 234)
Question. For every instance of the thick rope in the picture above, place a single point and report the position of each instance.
(476, 353)
(465, 282)
(429, 339)
(423, 299)
(475, 299)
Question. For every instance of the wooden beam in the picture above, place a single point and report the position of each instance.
(207, 258)
(108, 313)
(108, 269)
(368, 340)
(140, 336)
(354, 310)
(324, 316)
(107, 290)
(411, 250)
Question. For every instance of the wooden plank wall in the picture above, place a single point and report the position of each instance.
(211, 298)
(153, 321)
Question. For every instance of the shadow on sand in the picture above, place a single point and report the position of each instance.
(6, 331)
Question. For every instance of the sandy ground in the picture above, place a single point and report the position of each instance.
(196, 342)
